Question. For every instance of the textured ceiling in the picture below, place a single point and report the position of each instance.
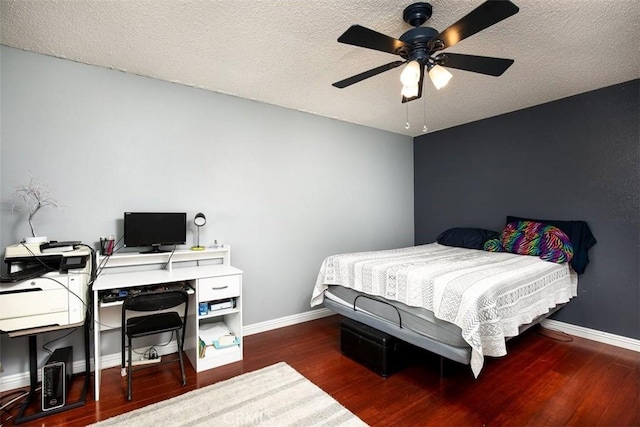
(285, 52)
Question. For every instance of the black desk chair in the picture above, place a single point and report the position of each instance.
(155, 323)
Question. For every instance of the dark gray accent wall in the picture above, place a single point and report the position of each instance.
(577, 158)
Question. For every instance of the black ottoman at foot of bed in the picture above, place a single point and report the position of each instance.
(370, 347)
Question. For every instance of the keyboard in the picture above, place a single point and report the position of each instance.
(115, 295)
(25, 274)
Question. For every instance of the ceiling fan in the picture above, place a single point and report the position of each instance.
(418, 46)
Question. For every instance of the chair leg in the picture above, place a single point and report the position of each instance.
(180, 350)
(129, 372)
(123, 347)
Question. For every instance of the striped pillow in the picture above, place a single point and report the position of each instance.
(493, 245)
(533, 238)
(555, 246)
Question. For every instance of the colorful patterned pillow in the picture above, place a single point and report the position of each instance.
(582, 239)
(555, 245)
(534, 238)
(522, 238)
(493, 245)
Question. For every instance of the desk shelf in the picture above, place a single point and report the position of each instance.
(219, 357)
(136, 259)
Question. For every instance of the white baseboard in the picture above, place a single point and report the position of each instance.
(592, 334)
(269, 325)
(10, 382)
(19, 380)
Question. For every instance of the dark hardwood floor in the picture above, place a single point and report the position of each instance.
(547, 379)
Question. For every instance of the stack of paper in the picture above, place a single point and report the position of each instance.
(210, 332)
(215, 336)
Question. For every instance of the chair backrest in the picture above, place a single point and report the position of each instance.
(156, 301)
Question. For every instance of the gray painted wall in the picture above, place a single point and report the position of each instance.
(576, 158)
(284, 188)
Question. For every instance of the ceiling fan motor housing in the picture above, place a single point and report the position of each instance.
(418, 40)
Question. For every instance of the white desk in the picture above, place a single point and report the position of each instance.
(209, 281)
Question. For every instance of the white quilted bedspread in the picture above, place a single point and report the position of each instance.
(487, 294)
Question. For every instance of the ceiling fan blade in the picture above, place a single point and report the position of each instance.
(477, 64)
(360, 36)
(420, 83)
(488, 13)
(373, 72)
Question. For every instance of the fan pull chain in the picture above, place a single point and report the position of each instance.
(407, 125)
(424, 115)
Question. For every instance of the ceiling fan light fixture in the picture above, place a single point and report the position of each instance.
(411, 74)
(439, 76)
(410, 91)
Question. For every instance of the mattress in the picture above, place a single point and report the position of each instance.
(487, 295)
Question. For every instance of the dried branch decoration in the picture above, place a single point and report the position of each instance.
(34, 197)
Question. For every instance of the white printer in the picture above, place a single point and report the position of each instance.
(57, 297)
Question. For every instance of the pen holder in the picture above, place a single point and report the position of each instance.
(106, 247)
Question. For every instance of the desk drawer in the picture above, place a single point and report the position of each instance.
(214, 288)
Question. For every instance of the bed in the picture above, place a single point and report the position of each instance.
(451, 297)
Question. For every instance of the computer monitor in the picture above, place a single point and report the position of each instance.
(154, 229)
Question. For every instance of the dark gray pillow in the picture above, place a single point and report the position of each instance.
(470, 238)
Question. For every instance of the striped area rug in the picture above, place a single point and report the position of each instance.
(276, 395)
